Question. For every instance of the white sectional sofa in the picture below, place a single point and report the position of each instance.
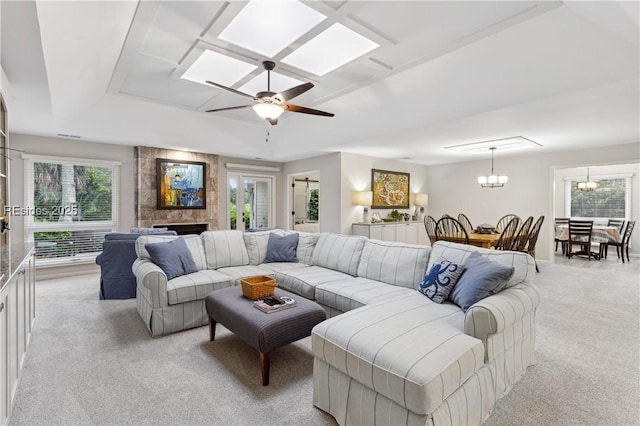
(387, 354)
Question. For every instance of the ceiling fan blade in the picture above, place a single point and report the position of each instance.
(293, 92)
(237, 92)
(305, 110)
(272, 121)
(230, 108)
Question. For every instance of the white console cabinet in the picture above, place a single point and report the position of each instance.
(402, 232)
(17, 314)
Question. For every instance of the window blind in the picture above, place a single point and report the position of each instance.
(69, 206)
(609, 200)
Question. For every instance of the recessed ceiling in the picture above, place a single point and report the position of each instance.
(445, 73)
(332, 48)
(504, 144)
(217, 67)
(281, 23)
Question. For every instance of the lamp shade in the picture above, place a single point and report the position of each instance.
(422, 199)
(266, 110)
(362, 198)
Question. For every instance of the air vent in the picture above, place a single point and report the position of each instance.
(64, 135)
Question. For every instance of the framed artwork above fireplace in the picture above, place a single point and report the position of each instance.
(181, 184)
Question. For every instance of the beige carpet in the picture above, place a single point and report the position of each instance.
(92, 362)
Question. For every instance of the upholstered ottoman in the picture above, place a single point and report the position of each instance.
(262, 331)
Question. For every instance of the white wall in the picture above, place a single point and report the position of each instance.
(453, 188)
(356, 176)
(330, 212)
(75, 149)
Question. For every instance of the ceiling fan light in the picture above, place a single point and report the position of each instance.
(266, 111)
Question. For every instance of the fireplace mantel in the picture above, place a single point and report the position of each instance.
(184, 228)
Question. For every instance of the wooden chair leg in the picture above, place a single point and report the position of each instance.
(265, 360)
(212, 329)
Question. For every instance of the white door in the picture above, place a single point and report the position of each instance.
(250, 202)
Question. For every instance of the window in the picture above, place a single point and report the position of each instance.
(612, 198)
(70, 204)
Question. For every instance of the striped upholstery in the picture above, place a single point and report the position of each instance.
(490, 318)
(394, 263)
(338, 252)
(345, 295)
(352, 403)
(256, 243)
(303, 281)
(237, 273)
(525, 267)
(306, 243)
(410, 350)
(194, 243)
(152, 302)
(363, 355)
(224, 248)
(195, 286)
(282, 266)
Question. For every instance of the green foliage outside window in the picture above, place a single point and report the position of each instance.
(314, 197)
(607, 201)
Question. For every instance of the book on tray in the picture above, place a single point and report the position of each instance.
(274, 303)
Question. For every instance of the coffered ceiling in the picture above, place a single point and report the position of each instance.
(564, 75)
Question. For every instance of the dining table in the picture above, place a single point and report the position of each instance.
(475, 239)
(599, 234)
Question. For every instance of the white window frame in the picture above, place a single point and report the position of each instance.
(31, 227)
(570, 181)
(240, 175)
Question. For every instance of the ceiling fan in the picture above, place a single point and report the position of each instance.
(269, 105)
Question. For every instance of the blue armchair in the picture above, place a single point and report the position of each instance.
(118, 254)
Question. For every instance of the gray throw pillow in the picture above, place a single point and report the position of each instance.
(173, 257)
(440, 280)
(481, 278)
(282, 248)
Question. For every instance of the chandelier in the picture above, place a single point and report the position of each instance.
(492, 180)
(587, 185)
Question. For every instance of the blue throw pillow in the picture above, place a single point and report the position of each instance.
(173, 257)
(482, 278)
(282, 248)
(440, 280)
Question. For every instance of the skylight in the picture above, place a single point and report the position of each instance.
(332, 48)
(218, 68)
(279, 83)
(505, 144)
(267, 27)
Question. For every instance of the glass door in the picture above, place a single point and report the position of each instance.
(250, 202)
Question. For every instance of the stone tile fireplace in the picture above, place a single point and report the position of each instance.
(146, 212)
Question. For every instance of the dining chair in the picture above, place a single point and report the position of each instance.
(464, 220)
(520, 240)
(563, 243)
(504, 221)
(580, 232)
(508, 234)
(532, 240)
(616, 222)
(622, 246)
(449, 229)
(430, 227)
